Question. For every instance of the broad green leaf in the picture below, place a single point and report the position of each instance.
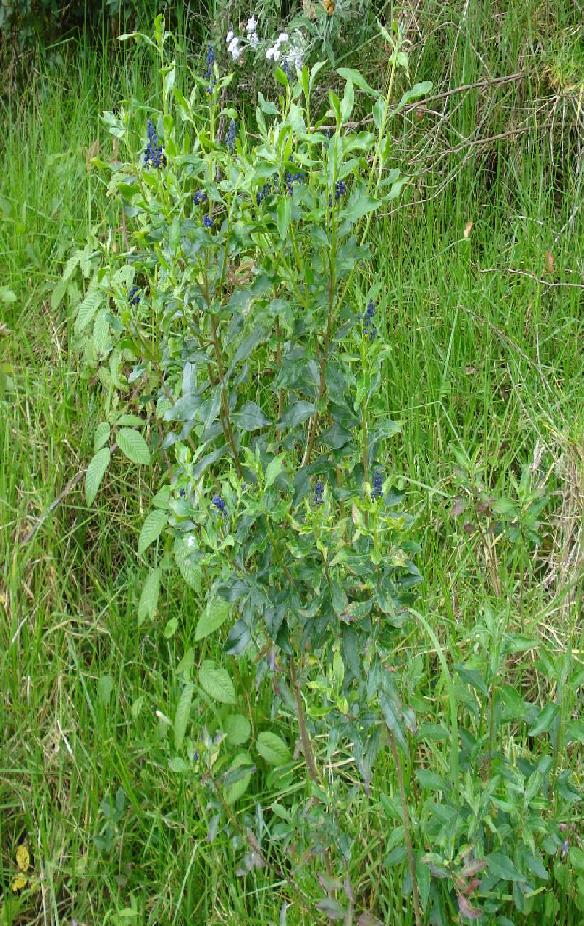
(273, 470)
(360, 203)
(149, 596)
(297, 413)
(95, 472)
(284, 216)
(170, 628)
(392, 714)
(237, 729)
(151, 529)
(250, 417)
(273, 749)
(162, 498)
(7, 295)
(237, 783)
(545, 719)
(502, 867)
(217, 683)
(215, 614)
(133, 445)
(87, 309)
(178, 765)
(348, 101)
(101, 436)
(358, 80)
(415, 92)
(181, 718)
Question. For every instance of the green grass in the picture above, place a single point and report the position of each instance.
(484, 360)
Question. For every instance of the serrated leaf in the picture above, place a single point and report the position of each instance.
(273, 749)
(181, 718)
(237, 729)
(95, 473)
(149, 596)
(133, 446)
(217, 683)
(502, 867)
(87, 308)
(101, 333)
(101, 436)
(151, 529)
(215, 614)
(162, 498)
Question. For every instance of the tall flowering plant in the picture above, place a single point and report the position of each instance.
(242, 349)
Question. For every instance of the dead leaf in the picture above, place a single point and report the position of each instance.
(468, 229)
(466, 909)
(550, 262)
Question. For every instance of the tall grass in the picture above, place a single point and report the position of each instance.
(485, 327)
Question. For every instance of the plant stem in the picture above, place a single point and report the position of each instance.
(225, 417)
(407, 828)
(301, 716)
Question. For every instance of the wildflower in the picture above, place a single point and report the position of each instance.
(210, 61)
(207, 221)
(340, 189)
(565, 848)
(319, 492)
(133, 297)
(282, 38)
(377, 490)
(153, 153)
(368, 326)
(229, 37)
(263, 193)
(218, 502)
(199, 197)
(196, 756)
(231, 135)
(234, 48)
(253, 40)
(252, 25)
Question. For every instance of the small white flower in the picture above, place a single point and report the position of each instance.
(253, 40)
(229, 37)
(251, 25)
(234, 49)
(277, 54)
(269, 54)
(283, 37)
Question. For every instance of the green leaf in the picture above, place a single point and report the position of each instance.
(358, 80)
(238, 783)
(7, 295)
(216, 683)
(149, 596)
(170, 628)
(151, 529)
(105, 687)
(502, 867)
(348, 101)
(273, 749)
(178, 765)
(415, 92)
(237, 728)
(273, 470)
(101, 436)
(545, 719)
(284, 216)
(162, 498)
(215, 614)
(95, 472)
(391, 710)
(133, 445)
(250, 417)
(181, 718)
(87, 308)
(297, 413)
(360, 203)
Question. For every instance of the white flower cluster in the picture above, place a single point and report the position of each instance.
(236, 44)
(290, 53)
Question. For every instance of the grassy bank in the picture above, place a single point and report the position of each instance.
(481, 273)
